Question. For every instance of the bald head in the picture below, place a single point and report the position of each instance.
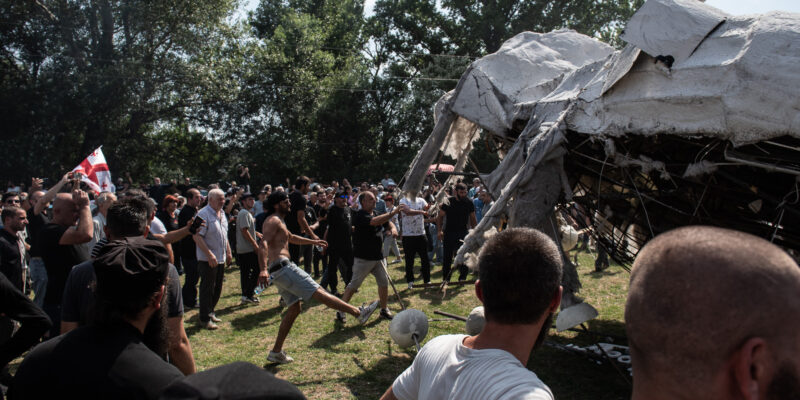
(697, 294)
(65, 211)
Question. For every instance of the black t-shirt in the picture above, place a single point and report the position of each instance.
(35, 225)
(11, 258)
(78, 299)
(298, 204)
(457, 213)
(311, 215)
(170, 222)
(322, 217)
(367, 239)
(339, 228)
(58, 260)
(93, 362)
(187, 247)
(260, 218)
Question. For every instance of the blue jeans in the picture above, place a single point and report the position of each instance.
(39, 278)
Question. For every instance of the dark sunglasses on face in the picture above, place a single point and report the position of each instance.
(10, 201)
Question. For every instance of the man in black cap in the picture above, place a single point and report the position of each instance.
(128, 218)
(116, 355)
(340, 249)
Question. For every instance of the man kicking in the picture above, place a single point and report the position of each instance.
(293, 283)
(368, 250)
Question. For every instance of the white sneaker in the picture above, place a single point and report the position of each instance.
(214, 318)
(410, 285)
(247, 300)
(280, 358)
(210, 325)
(366, 312)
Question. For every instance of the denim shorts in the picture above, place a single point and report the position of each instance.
(293, 283)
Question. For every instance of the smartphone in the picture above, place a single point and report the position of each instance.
(198, 221)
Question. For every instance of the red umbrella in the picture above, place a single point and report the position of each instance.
(441, 168)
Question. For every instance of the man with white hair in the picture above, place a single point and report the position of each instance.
(103, 202)
(213, 253)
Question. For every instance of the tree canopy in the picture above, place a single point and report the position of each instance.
(182, 88)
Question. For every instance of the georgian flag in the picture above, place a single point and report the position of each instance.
(95, 172)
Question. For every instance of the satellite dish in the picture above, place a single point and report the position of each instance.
(406, 325)
(575, 315)
(475, 321)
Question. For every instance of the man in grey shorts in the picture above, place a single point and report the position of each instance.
(368, 250)
(293, 283)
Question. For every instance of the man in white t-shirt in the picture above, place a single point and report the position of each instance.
(520, 274)
(412, 229)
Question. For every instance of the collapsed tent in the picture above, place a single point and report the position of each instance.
(695, 121)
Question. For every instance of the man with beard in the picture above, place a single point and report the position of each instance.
(293, 283)
(520, 273)
(460, 214)
(116, 356)
(340, 249)
(128, 218)
(297, 223)
(188, 248)
(712, 314)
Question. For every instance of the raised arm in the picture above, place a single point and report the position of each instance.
(50, 195)
(384, 218)
(83, 233)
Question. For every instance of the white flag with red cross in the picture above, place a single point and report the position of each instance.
(95, 172)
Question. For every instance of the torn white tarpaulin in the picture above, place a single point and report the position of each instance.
(733, 78)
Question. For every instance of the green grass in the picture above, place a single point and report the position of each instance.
(335, 361)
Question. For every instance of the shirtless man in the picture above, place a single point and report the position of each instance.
(293, 283)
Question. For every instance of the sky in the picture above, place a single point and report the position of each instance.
(735, 7)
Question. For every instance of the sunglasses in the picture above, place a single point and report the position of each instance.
(12, 201)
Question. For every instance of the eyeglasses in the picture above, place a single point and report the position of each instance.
(12, 201)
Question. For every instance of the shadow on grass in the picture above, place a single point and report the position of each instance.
(250, 321)
(373, 381)
(604, 273)
(341, 333)
(599, 330)
(576, 377)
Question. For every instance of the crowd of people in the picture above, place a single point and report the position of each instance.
(96, 279)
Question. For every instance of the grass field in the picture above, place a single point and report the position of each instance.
(348, 361)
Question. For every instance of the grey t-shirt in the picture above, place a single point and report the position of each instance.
(245, 220)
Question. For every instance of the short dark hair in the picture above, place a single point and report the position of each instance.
(520, 272)
(274, 199)
(301, 181)
(461, 186)
(8, 195)
(128, 217)
(8, 212)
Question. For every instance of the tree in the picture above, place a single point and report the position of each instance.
(84, 73)
(429, 43)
